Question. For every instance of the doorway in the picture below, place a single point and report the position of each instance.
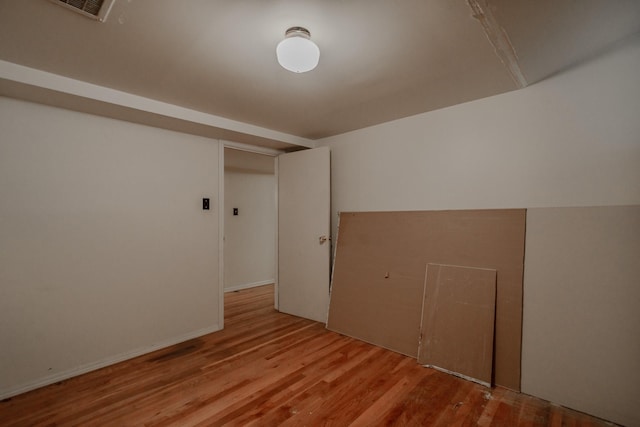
(250, 219)
(285, 240)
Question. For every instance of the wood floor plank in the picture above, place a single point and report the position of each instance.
(271, 369)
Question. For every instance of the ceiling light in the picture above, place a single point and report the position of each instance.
(297, 52)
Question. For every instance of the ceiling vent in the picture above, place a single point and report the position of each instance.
(95, 9)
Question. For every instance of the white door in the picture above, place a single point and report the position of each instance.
(303, 233)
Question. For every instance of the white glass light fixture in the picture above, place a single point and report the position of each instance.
(297, 53)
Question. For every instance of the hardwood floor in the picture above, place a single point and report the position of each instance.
(270, 369)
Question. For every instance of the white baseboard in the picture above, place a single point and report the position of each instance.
(248, 285)
(83, 369)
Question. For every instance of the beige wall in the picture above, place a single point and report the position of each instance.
(581, 341)
(571, 140)
(105, 251)
(250, 237)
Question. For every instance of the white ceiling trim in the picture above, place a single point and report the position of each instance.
(499, 39)
(41, 79)
(252, 148)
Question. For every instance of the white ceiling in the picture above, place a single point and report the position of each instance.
(380, 59)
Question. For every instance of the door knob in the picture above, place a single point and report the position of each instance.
(322, 239)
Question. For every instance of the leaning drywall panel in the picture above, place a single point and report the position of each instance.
(373, 293)
(581, 332)
(458, 314)
(378, 276)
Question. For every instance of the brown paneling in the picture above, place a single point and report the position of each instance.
(458, 312)
(378, 276)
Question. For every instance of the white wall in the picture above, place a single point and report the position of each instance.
(105, 251)
(250, 237)
(571, 140)
(581, 276)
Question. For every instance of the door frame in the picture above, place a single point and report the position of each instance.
(256, 150)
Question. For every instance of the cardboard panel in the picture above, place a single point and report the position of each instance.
(458, 312)
(378, 276)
